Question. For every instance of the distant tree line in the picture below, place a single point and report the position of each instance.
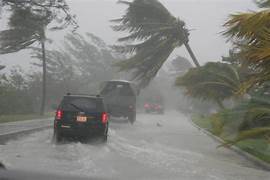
(79, 67)
(28, 24)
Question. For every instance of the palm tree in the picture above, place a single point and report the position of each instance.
(154, 34)
(26, 28)
(263, 3)
(214, 81)
(250, 33)
(28, 24)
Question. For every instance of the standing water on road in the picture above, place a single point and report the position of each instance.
(135, 89)
(139, 151)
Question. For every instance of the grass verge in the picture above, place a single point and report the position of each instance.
(23, 117)
(259, 148)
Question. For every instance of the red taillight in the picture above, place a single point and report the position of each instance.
(146, 105)
(59, 114)
(104, 118)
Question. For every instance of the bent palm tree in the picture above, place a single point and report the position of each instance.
(214, 81)
(26, 28)
(250, 32)
(155, 33)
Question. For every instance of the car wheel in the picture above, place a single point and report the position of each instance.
(57, 137)
(105, 138)
(105, 135)
(132, 118)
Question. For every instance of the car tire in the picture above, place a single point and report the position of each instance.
(105, 135)
(57, 137)
(105, 138)
(132, 118)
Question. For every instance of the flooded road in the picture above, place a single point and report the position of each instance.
(155, 147)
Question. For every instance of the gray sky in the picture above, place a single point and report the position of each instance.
(204, 17)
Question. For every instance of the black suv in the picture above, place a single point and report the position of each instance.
(81, 116)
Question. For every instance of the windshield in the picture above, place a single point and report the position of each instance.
(135, 89)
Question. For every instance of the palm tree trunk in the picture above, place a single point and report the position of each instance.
(193, 57)
(44, 79)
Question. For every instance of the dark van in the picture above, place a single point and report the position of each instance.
(120, 98)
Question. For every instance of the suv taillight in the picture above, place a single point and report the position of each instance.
(59, 114)
(146, 105)
(104, 118)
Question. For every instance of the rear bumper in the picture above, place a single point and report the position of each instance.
(121, 111)
(79, 129)
(154, 109)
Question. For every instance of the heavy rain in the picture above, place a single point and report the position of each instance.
(134, 89)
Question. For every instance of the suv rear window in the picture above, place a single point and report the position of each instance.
(80, 104)
(121, 89)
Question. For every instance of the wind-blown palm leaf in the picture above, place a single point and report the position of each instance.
(214, 81)
(155, 33)
(263, 3)
(26, 28)
(251, 34)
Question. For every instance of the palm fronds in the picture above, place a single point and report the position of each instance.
(263, 3)
(251, 34)
(214, 81)
(154, 34)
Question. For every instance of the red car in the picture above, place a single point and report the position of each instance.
(153, 107)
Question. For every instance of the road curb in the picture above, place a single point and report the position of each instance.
(239, 151)
(14, 135)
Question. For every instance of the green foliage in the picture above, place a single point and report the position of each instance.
(257, 147)
(58, 10)
(263, 3)
(154, 34)
(78, 68)
(82, 64)
(250, 34)
(213, 82)
(29, 20)
(14, 95)
(257, 110)
(26, 28)
(92, 55)
(217, 124)
(248, 120)
(248, 134)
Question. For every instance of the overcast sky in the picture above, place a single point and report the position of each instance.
(203, 17)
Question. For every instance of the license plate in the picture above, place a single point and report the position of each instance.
(81, 118)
